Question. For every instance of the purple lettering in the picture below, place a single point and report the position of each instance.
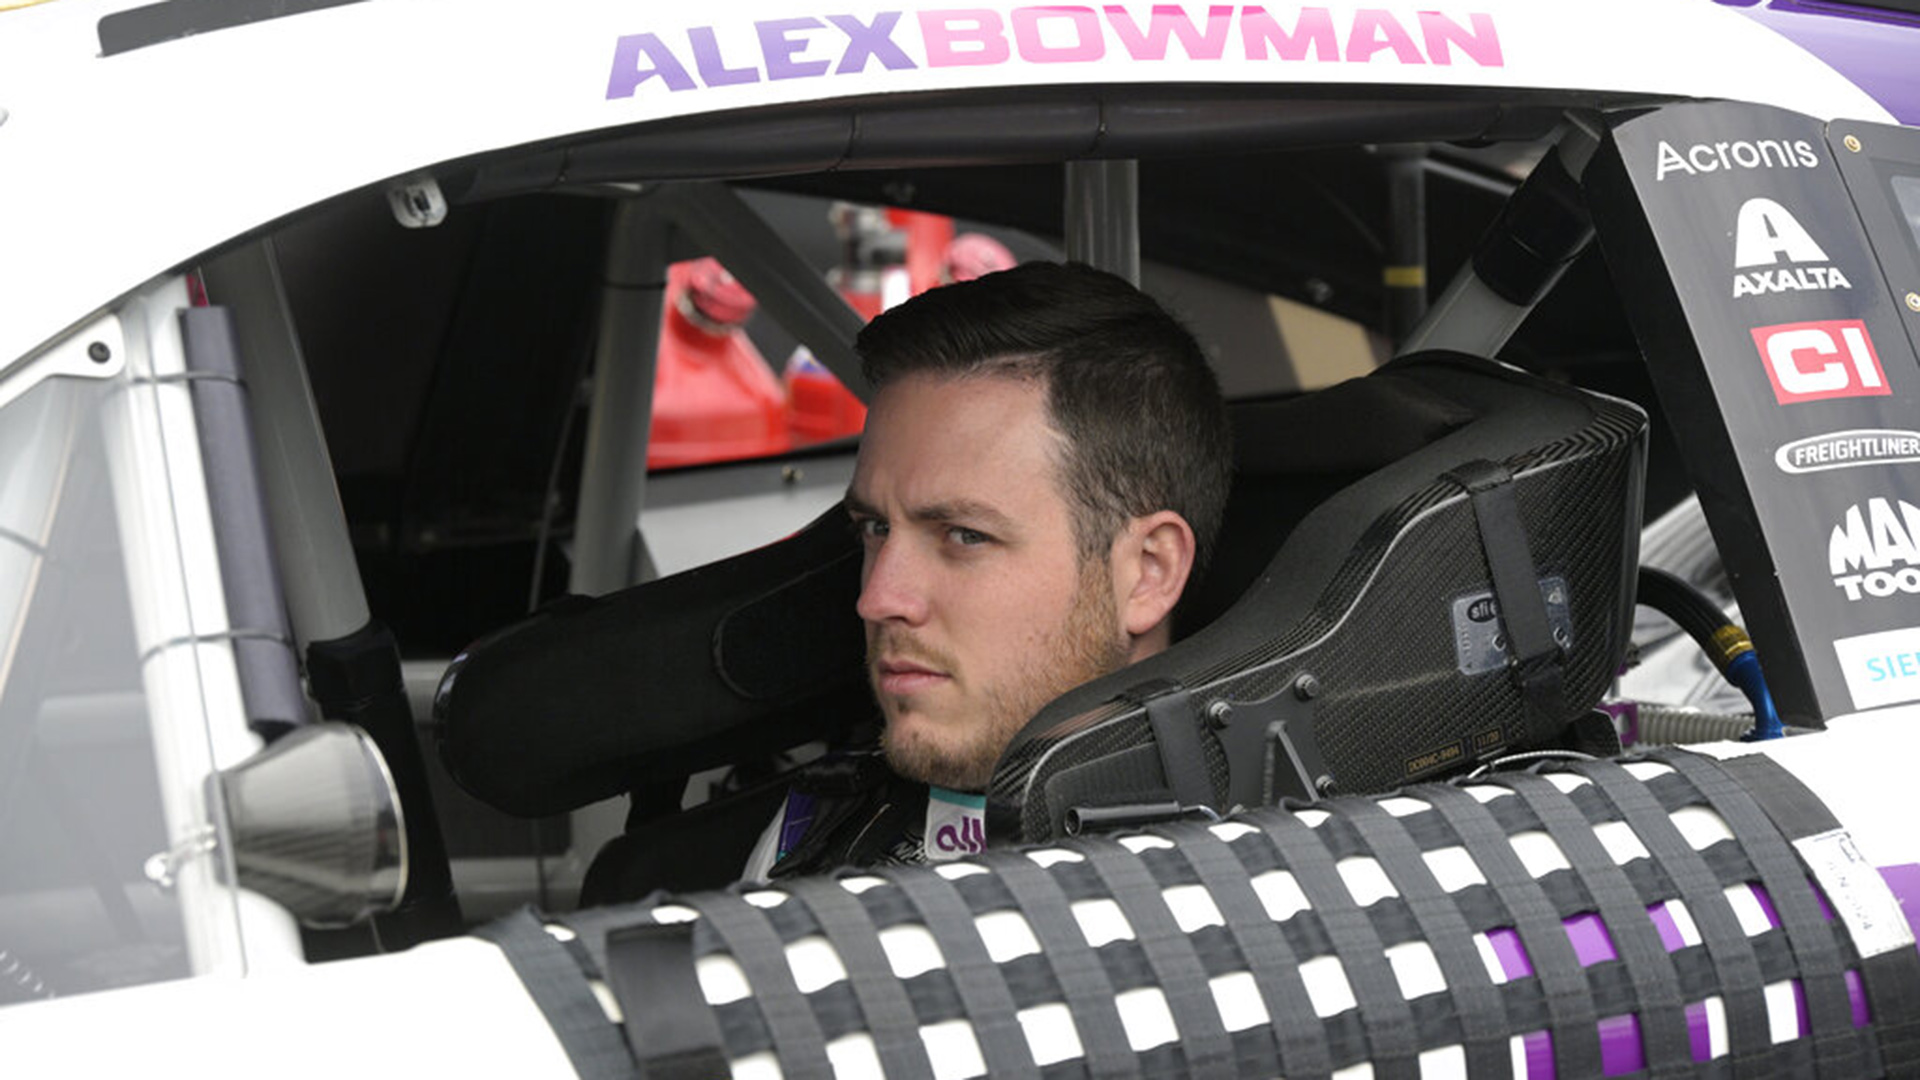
(874, 41)
(1315, 28)
(956, 38)
(1375, 29)
(946, 839)
(713, 67)
(1089, 43)
(627, 74)
(1168, 21)
(777, 46)
(1481, 44)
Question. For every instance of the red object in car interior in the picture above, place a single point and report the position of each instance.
(714, 397)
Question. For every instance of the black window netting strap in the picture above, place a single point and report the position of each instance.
(1460, 870)
(1480, 1024)
(558, 985)
(1655, 986)
(1301, 1040)
(1391, 1040)
(1176, 968)
(883, 1000)
(1694, 884)
(1822, 980)
(1573, 1023)
(1084, 981)
(982, 987)
(1891, 977)
(670, 1030)
(750, 939)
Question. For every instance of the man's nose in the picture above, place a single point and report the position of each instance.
(891, 587)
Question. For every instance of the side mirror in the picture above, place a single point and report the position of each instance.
(316, 825)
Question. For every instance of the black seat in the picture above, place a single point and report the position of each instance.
(1349, 556)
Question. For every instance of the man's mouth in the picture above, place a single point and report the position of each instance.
(901, 677)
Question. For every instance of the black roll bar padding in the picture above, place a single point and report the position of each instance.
(263, 648)
(1539, 231)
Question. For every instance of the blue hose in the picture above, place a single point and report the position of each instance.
(1743, 671)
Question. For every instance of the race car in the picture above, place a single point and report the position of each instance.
(360, 681)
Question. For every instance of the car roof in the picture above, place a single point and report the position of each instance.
(136, 139)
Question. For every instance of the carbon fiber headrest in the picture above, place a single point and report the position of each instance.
(1368, 650)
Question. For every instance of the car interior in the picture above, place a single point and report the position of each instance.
(578, 681)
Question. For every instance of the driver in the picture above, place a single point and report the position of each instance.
(1044, 468)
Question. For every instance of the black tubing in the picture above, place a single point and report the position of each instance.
(1686, 605)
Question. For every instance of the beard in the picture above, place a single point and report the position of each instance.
(962, 751)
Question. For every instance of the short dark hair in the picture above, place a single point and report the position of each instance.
(1126, 385)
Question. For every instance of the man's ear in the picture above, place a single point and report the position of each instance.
(1153, 558)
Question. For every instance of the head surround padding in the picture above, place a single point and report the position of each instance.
(592, 697)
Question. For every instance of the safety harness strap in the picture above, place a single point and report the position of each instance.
(1176, 732)
(1537, 664)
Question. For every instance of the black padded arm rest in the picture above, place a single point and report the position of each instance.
(594, 696)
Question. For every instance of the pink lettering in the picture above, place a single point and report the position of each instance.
(959, 37)
(1314, 28)
(627, 74)
(1481, 44)
(1088, 44)
(1375, 29)
(1170, 21)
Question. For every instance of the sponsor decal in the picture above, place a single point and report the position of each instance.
(1881, 669)
(1714, 157)
(1871, 552)
(1811, 361)
(1848, 449)
(955, 824)
(1763, 234)
(813, 46)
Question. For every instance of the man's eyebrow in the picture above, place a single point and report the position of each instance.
(953, 510)
(963, 510)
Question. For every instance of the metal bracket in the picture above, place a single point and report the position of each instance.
(1271, 749)
(95, 351)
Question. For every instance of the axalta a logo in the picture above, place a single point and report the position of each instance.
(1763, 234)
(1871, 552)
(1810, 361)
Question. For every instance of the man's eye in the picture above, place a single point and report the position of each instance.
(966, 537)
(870, 528)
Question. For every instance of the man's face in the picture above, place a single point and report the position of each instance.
(978, 607)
